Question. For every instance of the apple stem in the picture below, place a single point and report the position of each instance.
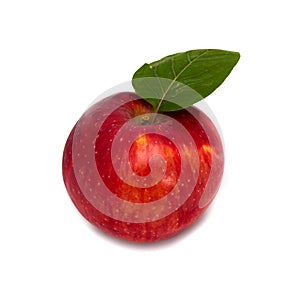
(159, 105)
(145, 120)
(156, 110)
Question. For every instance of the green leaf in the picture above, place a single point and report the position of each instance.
(180, 80)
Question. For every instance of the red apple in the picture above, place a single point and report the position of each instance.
(141, 176)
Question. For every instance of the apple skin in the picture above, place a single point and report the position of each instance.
(110, 196)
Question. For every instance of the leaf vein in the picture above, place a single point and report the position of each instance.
(172, 64)
(175, 79)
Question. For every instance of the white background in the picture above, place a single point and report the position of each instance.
(56, 57)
